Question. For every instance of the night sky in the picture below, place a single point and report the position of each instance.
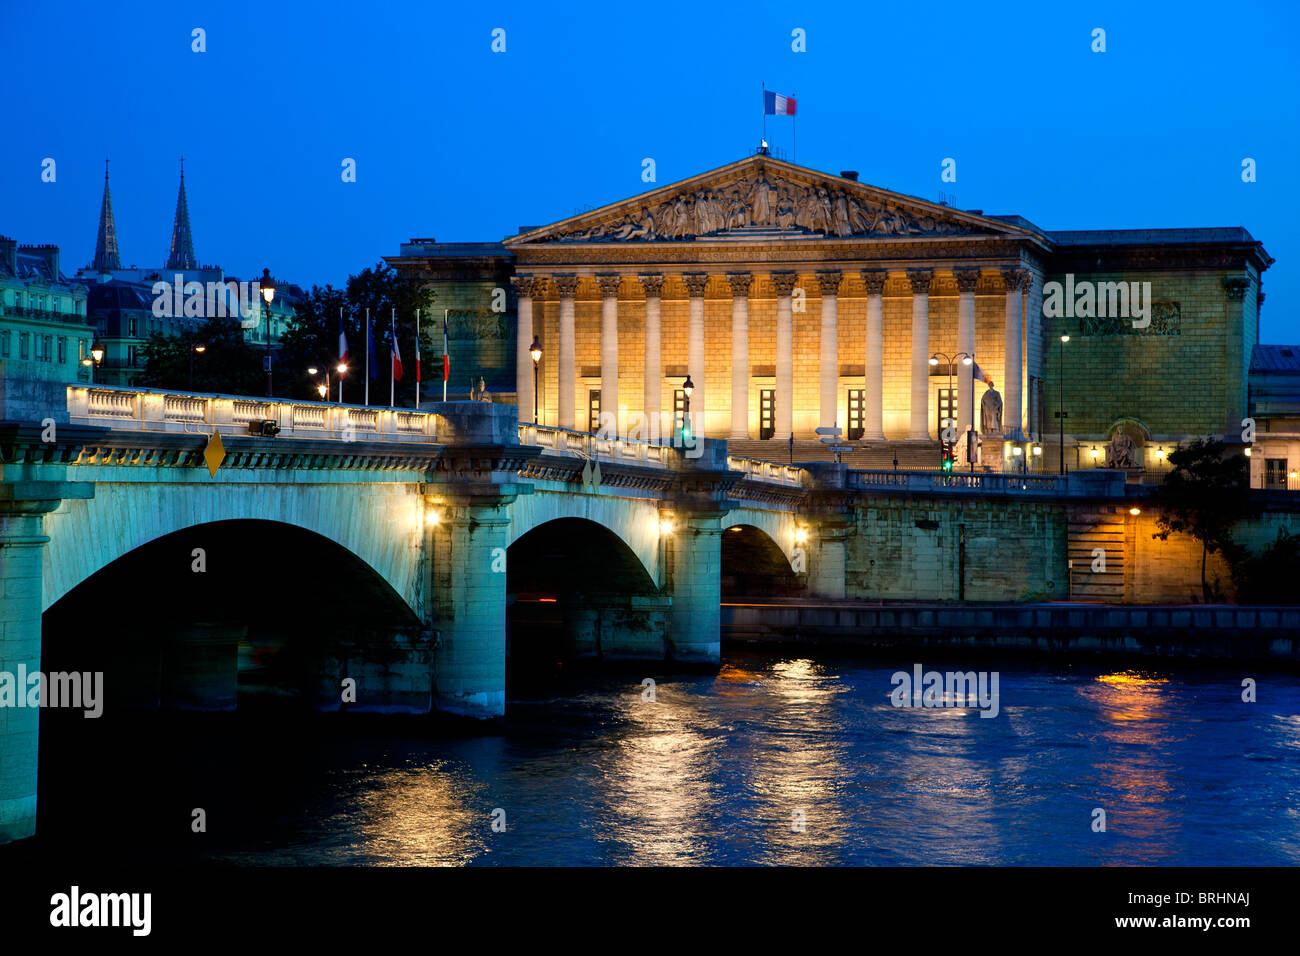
(456, 142)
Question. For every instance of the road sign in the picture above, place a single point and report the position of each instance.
(841, 449)
(829, 434)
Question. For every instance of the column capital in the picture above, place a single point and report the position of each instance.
(874, 280)
(1016, 279)
(920, 279)
(653, 283)
(740, 282)
(566, 285)
(524, 285)
(830, 281)
(785, 282)
(695, 282)
(609, 283)
(967, 279)
(1236, 287)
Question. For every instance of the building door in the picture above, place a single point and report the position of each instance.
(857, 402)
(593, 410)
(1275, 473)
(766, 413)
(947, 408)
(679, 410)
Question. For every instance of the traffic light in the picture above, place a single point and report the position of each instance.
(948, 458)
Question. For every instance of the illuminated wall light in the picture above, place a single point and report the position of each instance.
(1135, 511)
(666, 526)
(432, 519)
(800, 535)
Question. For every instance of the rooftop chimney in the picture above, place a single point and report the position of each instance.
(849, 174)
(9, 254)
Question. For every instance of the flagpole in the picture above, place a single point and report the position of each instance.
(341, 357)
(764, 139)
(417, 358)
(794, 126)
(444, 355)
(392, 360)
(367, 368)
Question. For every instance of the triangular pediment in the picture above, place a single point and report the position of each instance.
(760, 198)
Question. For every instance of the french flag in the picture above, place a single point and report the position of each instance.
(343, 341)
(397, 351)
(774, 104)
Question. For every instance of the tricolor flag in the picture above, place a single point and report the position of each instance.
(774, 104)
(397, 351)
(417, 350)
(446, 358)
(343, 341)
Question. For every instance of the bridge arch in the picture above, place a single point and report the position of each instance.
(379, 524)
(634, 521)
(753, 563)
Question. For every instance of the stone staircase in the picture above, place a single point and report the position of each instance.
(1089, 530)
(877, 456)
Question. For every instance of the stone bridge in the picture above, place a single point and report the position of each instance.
(434, 504)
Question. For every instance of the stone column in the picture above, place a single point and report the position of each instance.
(567, 286)
(739, 354)
(830, 349)
(1012, 406)
(967, 280)
(523, 347)
(695, 582)
(609, 354)
(874, 383)
(919, 427)
(826, 570)
(695, 283)
(653, 284)
(783, 420)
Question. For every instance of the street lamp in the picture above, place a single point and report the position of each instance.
(342, 369)
(969, 360)
(535, 350)
(96, 356)
(1060, 412)
(199, 349)
(687, 388)
(268, 293)
(322, 388)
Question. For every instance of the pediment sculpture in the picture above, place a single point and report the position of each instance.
(763, 202)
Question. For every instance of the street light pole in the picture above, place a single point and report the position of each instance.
(268, 293)
(1060, 412)
(967, 359)
(535, 350)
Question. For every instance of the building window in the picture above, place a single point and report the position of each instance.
(1275, 473)
(63, 350)
(49, 348)
(4, 343)
(130, 355)
(130, 326)
(23, 348)
(766, 413)
(593, 410)
(855, 415)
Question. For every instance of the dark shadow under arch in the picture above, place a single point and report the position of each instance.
(754, 566)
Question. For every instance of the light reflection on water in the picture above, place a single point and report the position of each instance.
(713, 771)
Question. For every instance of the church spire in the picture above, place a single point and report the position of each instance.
(182, 254)
(106, 257)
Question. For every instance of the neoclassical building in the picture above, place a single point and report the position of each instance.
(794, 299)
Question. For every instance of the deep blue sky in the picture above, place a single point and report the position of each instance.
(456, 142)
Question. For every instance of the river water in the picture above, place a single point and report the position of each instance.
(772, 760)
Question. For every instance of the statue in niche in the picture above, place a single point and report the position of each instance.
(1122, 451)
(991, 411)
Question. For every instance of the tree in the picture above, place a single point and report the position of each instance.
(1204, 496)
(227, 364)
(311, 339)
(1269, 577)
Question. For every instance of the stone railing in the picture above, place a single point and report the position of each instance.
(156, 410)
(931, 482)
(563, 441)
(769, 471)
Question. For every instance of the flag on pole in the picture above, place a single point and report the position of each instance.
(446, 357)
(417, 351)
(343, 340)
(372, 361)
(774, 104)
(397, 350)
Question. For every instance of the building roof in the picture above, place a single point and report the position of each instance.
(1133, 237)
(119, 294)
(1275, 359)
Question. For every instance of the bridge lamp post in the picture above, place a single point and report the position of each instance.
(268, 293)
(96, 356)
(342, 369)
(198, 349)
(1060, 412)
(322, 388)
(535, 350)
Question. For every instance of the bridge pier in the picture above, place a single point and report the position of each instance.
(695, 582)
(23, 506)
